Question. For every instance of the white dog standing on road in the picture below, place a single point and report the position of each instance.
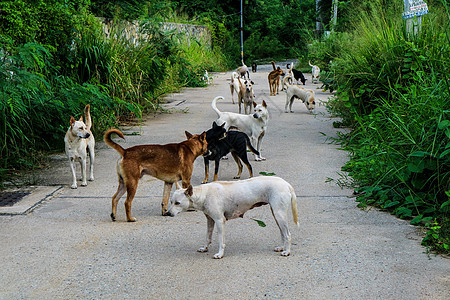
(224, 200)
(78, 139)
(306, 96)
(315, 73)
(253, 125)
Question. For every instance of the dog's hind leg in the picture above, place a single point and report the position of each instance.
(166, 195)
(238, 162)
(115, 199)
(91, 162)
(131, 186)
(280, 215)
(220, 225)
(247, 163)
(209, 232)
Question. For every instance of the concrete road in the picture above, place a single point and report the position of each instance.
(61, 244)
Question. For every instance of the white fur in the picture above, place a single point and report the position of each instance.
(224, 200)
(234, 85)
(315, 71)
(305, 95)
(253, 125)
(78, 139)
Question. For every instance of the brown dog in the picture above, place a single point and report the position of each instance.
(274, 79)
(169, 163)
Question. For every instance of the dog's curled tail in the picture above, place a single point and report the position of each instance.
(87, 115)
(111, 143)
(214, 106)
(294, 205)
(273, 65)
(309, 62)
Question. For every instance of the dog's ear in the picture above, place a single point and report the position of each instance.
(188, 135)
(223, 125)
(189, 191)
(203, 135)
(72, 120)
(254, 104)
(81, 119)
(264, 104)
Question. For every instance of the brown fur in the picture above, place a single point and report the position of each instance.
(274, 81)
(169, 163)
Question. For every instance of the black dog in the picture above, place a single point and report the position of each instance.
(298, 76)
(254, 66)
(220, 143)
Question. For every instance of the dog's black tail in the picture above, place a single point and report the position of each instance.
(249, 145)
(111, 143)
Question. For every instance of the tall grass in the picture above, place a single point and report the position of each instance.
(120, 79)
(393, 89)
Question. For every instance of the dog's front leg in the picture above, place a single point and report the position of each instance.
(220, 224)
(206, 161)
(74, 176)
(166, 195)
(209, 232)
(83, 171)
(258, 147)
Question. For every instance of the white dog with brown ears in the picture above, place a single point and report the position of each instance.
(315, 73)
(254, 125)
(307, 96)
(221, 201)
(78, 141)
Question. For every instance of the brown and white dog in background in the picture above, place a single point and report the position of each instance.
(78, 141)
(169, 163)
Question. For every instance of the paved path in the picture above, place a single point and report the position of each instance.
(68, 248)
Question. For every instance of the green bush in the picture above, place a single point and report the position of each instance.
(392, 89)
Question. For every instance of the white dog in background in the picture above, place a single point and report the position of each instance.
(254, 125)
(77, 141)
(315, 71)
(234, 85)
(224, 200)
(305, 95)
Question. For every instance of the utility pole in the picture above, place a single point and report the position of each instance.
(242, 36)
(335, 11)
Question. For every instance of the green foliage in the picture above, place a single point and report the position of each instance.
(392, 89)
(35, 108)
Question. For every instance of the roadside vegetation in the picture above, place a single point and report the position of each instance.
(391, 87)
(393, 92)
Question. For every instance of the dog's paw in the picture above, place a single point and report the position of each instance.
(278, 249)
(113, 217)
(91, 178)
(202, 249)
(285, 253)
(73, 186)
(236, 177)
(84, 183)
(218, 255)
(132, 219)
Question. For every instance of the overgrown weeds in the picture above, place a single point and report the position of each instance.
(393, 90)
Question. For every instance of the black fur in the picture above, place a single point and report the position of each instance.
(299, 76)
(235, 142)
